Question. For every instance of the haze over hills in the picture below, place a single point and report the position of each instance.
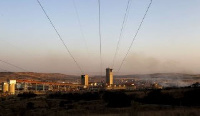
(163, 75)
(165, 79)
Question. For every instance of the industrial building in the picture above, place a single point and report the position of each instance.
(5, 86)
(12, 84)
(12, 87)
(84, 80)
(109, 76)
(9, 86)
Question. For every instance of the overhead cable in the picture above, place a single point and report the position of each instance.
(99, 3)
(121, 31)
(135, 35)
(81, 28)
(4, 70)
(60, 37)
(14, 66)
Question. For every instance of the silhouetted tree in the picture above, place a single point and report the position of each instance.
(116, 99)
(27, 95)
(30, 105)
(191, 98)
(157, 97)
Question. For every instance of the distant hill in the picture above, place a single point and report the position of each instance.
(162, 75)
(36, 76)
(165, 79)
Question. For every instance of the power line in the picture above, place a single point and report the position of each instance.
(60, 36)
(135, 34)
(4, 70)
(81, 28)
(14, 66)
(121, 31)
(100, 35)
(7, 71)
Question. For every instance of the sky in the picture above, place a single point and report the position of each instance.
(168, 41)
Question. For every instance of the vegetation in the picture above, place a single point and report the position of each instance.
(178, 97)
(116, 99)
(27, 95)
(87, 96)
(30, 105)
(168, 102)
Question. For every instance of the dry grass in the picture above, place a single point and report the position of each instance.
(14, 106)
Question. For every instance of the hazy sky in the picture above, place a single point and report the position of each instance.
(167, 42)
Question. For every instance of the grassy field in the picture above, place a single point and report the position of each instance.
(95, 104)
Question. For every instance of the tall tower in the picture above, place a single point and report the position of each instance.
(84, 80)
(109, 76)
(12, 84)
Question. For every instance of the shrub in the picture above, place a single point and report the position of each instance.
(27, 95)
(191, 98)
(30, 105)
(157, 97)
(76, 96)
(64, 103)
(116, 99)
